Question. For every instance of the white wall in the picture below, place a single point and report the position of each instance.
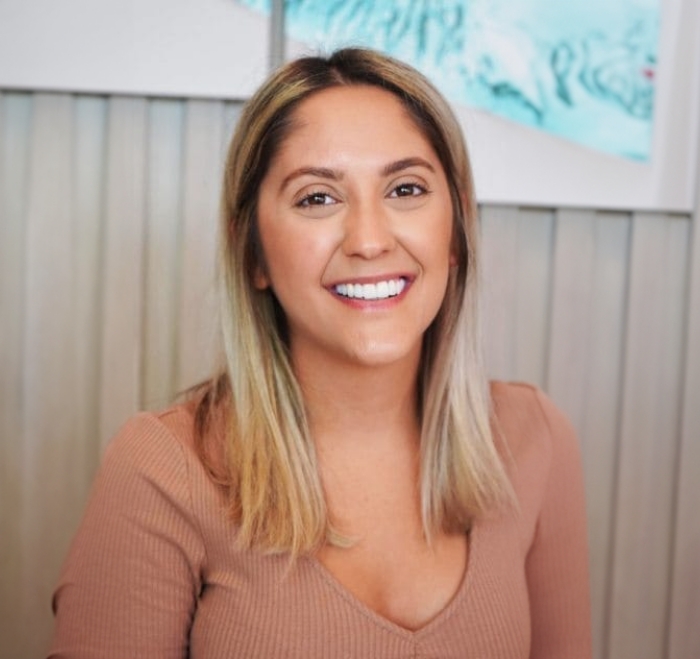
(174, 48)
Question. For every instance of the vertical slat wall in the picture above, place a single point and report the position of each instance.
(48, 364)
(123, 257)
(649, 437)
(107, 235)
(15, 131)
(684, 630)
(107, 230)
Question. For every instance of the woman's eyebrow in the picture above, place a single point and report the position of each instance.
(405, 163)
(336, 175)
(321, 172)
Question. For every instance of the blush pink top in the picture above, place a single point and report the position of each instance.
(153, 572)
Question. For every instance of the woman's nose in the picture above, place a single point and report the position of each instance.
(368, 232)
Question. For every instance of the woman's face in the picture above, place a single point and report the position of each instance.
(355, 220)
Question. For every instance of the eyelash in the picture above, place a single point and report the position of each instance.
(414, 187)
(306, 200)
(416, 190)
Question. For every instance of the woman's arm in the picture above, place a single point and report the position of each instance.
(131, 580)
(557, 563)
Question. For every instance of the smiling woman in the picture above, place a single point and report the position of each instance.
(347, 484)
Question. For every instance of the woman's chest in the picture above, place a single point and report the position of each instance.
(256, 606)
(400, 576)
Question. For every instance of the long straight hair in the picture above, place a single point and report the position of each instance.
(270, 467)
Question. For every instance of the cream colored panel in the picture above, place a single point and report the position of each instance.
(601, 406)
(573, 265)
(499, 238)
(162, 248)
(15, 131)
(572, 303)
(585, 367)
(516, 248)
(88, 198)
(530, 332)
(685, 603)
(49, 383)
(123, 294)
(204, 135)
(649, 438)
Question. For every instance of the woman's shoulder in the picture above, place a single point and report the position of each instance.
(528, 421)
(152, 434)
(163, 447)
(527, 404)
(542, 456)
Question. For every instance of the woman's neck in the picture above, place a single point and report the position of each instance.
(349, 403)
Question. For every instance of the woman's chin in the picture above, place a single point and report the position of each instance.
(378, 354)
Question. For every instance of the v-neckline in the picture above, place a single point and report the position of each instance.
(377, 618)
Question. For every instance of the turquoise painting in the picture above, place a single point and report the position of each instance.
(583, 70)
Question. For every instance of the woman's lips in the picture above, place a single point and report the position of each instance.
(372, 290)
(380, 290)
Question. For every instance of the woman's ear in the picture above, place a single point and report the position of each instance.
(260, 280)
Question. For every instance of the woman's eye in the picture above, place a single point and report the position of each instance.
(408, 190)
(316, 199)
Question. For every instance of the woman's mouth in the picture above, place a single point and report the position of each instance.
(380, 290)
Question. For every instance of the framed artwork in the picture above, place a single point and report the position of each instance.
(585, 103)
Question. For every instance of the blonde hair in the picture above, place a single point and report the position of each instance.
(275, 493)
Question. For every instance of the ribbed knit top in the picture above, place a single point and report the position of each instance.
(154, 573)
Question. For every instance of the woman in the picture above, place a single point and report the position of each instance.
(347, 485)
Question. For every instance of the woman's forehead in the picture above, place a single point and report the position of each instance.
(344, 123)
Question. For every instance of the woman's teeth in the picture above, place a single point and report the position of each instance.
(380, 290)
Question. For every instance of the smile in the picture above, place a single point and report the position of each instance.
(380, 290)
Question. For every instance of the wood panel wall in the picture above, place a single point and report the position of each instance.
(107, 231)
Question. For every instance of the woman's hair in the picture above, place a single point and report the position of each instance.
(271, 471)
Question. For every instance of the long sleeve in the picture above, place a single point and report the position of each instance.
(130, 584)
(557, 562)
